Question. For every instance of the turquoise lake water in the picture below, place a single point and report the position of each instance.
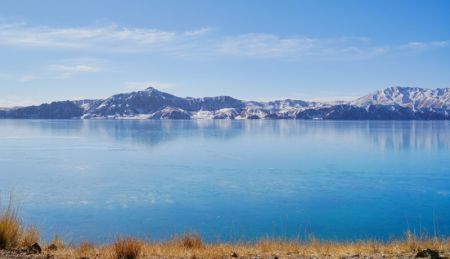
(228, 180)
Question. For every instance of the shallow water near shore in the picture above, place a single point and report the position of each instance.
(228, 180)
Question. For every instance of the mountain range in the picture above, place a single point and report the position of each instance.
(393, 103)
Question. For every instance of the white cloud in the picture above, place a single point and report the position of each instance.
(420, 45)
(266, 45)
(100, 38)
(269, 46)
(136, 86)
(71, 68)
(199, 32)
(197, 42)
(26, 78)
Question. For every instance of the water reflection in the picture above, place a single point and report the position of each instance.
(385, 135)
(413, 135)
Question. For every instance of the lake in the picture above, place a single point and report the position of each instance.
(228, 180)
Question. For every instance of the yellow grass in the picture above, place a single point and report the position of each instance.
(86, 250)
(10, 228)
(127, 248)
(189, 241)
(57, 242)
(12, 232)
(30, 236)
(264, 248)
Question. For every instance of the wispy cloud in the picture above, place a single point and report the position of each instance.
(269, 46)
(106, 38)
(294, 47)
(266, 45)
(136, 86)
(26, 78)
(197, 33)
(420, 45)
(196, 43)
(71, 68)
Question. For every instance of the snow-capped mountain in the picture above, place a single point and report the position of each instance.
(394, 103)
(150, 101)
(131, 104)
(409, 97)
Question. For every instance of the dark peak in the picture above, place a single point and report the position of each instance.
(223, 97)
(146, 92)
(149, 91)
(152, 89)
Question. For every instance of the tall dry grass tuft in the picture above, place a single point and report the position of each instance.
(10, 227)
(57, 242)
(86, 250)
(127, 248)
(191, 241)
(30, 236)
(411, 241)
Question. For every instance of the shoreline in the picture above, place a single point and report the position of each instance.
(191, 246)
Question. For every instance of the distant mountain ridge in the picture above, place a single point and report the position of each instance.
(393, 103)
(414, 98)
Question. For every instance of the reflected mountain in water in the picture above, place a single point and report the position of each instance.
(393, 135)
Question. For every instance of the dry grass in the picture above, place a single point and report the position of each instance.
(57, 242)
(127, 248)
(177, 248)
(191, 246)
(30, 236)
(10, 227)
(190, 241)
(284, 248)
(12, 232)
(86, 250)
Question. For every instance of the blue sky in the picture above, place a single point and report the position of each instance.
(56, 50)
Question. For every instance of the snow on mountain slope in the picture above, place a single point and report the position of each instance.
(86, 104)
(214, 103)
(413, 98)
(394, 103)
(147, 101)
(171, 113)
(225, 113)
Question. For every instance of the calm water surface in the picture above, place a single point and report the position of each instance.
(228, 180)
